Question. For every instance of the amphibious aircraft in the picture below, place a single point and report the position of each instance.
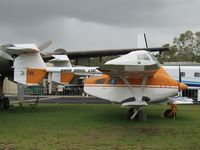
(134, 80)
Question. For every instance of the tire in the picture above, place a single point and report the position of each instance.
(6, 103)
(168, 115)
(130, 113)
(141, 116)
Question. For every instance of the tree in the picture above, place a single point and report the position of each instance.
(185, 48)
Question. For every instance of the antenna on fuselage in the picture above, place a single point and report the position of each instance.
(145, 39)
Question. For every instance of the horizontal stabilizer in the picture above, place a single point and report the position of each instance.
(19, 49)
(60, 61)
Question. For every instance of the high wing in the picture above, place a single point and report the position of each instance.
(109, 52)
(99, 53)
(134, 64)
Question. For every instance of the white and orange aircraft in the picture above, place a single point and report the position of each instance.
(134, 80)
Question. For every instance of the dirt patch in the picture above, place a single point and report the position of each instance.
(149, 130)
(7, 146)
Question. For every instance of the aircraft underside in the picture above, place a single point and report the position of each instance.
(121, 93)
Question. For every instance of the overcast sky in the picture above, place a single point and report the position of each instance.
(96, 24)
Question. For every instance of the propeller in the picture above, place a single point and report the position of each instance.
(180, 80)
(44, 45)
(180, 77)
(8, 55)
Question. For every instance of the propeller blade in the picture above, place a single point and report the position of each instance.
(44, 45)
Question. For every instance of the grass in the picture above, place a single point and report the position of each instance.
(84, 126)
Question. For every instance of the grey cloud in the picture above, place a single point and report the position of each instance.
(126, 13)
(91, 24)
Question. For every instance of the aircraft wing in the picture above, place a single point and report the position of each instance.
(109, 52)
(98, 53)
(134, 64)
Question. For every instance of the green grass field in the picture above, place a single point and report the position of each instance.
(85, 126)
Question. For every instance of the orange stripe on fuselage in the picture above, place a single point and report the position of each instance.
(160, 78)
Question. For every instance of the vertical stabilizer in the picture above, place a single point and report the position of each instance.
(22, 65)
(60, 61)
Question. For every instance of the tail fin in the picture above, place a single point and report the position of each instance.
(29, 67)
(61, 61)
(142, 41)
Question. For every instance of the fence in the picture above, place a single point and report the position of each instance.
(70, 91)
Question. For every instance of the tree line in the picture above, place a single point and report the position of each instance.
(185, 48)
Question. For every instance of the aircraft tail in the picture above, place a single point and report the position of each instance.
(29, 67)
(60, 61)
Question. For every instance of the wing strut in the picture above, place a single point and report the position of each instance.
(135, 106)
(139, 97)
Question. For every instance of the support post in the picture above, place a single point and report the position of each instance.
(20, 90)
(198, 95)
(50, 82)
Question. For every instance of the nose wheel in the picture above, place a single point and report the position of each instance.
(136, 114)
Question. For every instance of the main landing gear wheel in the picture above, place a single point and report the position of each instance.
(169, 114)
(130, 113)
(137, 114)
(5, 103)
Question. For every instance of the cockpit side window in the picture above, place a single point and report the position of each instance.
(100, 81)
(143, 57)
(154, 58)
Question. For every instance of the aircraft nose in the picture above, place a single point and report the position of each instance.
(183, 86)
